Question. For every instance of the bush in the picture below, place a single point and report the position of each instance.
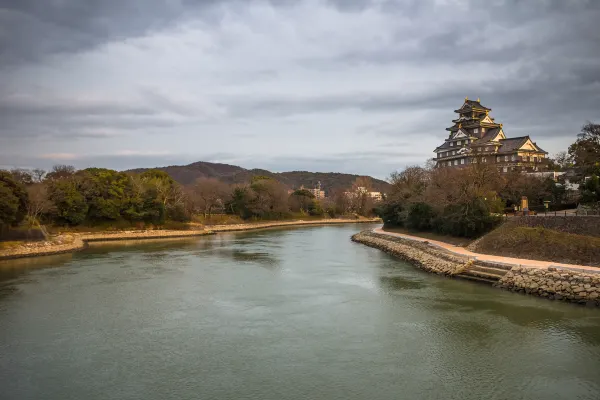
(420, 217)
(468, 220)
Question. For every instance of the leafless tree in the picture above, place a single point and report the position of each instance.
(207, 195)
(38, 174)
(38, 200)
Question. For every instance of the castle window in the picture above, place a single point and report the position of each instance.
(505, 169)
(455, 162)
(476, 130)
(449, 163)
(459, 142)
(484, 159)
(451, 143)
(462, 160)
(505, 158)
(513, 158)
(498, 159)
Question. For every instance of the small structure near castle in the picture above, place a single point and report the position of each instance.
(475, 137)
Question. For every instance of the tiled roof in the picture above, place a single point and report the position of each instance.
(474, 104)
(512, 144)
(489, 135)
(446, 145)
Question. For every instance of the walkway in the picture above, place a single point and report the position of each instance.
(514, 262)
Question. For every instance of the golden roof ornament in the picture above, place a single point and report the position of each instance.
(478, 99)
(460, 125)
(466, 98)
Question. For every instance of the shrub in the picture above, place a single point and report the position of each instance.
(420, 216)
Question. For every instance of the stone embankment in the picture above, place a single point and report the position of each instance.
(68, 243)
(554, 283)
(58, 245)
(419, 254)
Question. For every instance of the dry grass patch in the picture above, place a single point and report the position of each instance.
(541, 244)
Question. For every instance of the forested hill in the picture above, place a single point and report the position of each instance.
(187, 174)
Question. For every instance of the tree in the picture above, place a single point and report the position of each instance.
(585, 152)
(39, 203)
(301, 200)
(590, 193)
(38, 174)
(269, 199)
(239, 200)
(13, 200)
(207, 194)
(106, 193)
(23, 176)
(560, 162)
(69, 203)
(61, 172)
(168, 192)
(9, 206)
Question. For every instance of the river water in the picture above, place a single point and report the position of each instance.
(298, 313)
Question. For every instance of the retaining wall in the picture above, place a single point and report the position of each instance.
(580, 225)
(419, 254)
(554, 283)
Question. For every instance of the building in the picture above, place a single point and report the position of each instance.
(475, 137)
(317, 192)
(377, 196)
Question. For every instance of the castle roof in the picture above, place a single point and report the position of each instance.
(470, 105)
(489, 135)
(514, 144)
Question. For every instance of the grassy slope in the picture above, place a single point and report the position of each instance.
(540, 244)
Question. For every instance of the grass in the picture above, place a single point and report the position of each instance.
(454, 240)
(10, 245)
(541, 244)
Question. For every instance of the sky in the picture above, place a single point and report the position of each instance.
(356, 86)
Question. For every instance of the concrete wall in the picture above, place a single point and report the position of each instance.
(581, 225)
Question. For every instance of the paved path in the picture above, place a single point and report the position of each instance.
(516, 262)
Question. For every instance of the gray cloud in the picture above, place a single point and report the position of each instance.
(309, 84)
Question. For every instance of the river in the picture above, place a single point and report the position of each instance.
(301, 313)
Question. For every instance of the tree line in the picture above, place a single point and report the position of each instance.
(470, 201)
(69, 197)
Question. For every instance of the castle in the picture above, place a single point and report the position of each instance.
(475, 137)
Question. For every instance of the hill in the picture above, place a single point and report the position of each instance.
(187, 174)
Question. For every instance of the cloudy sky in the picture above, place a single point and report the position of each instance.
(360, 86)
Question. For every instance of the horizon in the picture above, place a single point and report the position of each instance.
(363, 87)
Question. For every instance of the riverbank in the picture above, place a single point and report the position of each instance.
(567, 282)
(68, 243)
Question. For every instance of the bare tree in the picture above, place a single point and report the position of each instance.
(38, 174)
(208, 194)
(61, 172)
(38, 201)
(23, 176)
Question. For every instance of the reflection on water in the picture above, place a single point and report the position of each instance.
(282, 314)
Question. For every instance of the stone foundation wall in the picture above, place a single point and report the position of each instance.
(554, 283)
(581, 225)
(419, 254)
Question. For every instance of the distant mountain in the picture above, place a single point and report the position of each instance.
(187, 174)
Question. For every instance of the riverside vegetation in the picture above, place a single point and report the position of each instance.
(97, 199)
(470, 202)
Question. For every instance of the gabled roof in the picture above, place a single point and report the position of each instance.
(472, 105)
(488, 137)
(514, 144)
